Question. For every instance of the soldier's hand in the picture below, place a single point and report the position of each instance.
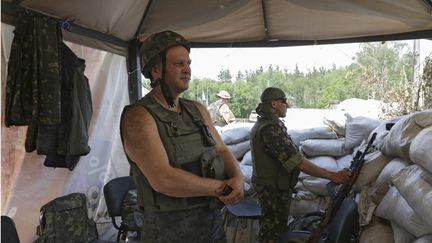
(341, 177)
(236, 194)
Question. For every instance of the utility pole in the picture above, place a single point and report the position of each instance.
(417, 100)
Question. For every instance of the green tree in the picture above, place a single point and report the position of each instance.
(225, 76)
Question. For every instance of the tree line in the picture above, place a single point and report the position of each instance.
(381, 71)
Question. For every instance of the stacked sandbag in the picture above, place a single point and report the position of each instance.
(336, 154)
(358, 129)
(237, 138)
(378, 231)
(421, 149)
(396, 209)
(382, 184)
(305, 201)
(372, 166)
(402, 192)
(319, 185)
(300, 135)
(398, 141)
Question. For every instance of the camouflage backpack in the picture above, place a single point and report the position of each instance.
(65, 220)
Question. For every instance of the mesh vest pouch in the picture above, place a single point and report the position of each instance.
(65, 220)
(132, 214)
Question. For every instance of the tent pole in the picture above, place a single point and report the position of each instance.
(134, 71)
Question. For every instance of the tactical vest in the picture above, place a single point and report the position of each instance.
(215, 115)
(266, 170)
(189, 146)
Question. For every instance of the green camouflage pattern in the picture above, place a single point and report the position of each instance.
(199, 225)
(132, 215)
(278, 143)
(157, 43)
(215, 115)
(65, 220)
(275, 211)
(34, 80)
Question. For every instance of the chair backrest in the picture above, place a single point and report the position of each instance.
(115, 191)
(9, 233)
(345, 223)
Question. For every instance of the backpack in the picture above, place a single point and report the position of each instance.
(65, 220)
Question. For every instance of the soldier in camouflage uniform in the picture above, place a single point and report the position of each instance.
(219, 110)
(277, 164)
(178, 160)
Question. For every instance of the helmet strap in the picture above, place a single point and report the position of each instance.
(164, 87)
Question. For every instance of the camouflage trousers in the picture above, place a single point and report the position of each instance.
(275, 211)
(200, 225)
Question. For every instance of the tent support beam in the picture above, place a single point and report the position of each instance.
(134, 72)
(266, 29)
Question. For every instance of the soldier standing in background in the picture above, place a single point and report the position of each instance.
(219, 110)
(277, 164)
(179, 163)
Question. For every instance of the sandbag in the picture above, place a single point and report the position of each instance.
(325, 162)
(420, 151)
(344, 162)
(316, 185)
(400, 235)
(247, 172)
(247, 158)
(358, 129)
(298, 136)
(366, 207)
(397, 143)
(415, 185)
(323, 147)
(301, 193)
(239, 149)
(382, 130)
(383, 182)
(377, 232)
(395, 208)
(236, 132)
(301, 207)
(423, 239)
(373, 164)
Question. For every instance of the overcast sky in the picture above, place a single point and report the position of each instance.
(208, 62)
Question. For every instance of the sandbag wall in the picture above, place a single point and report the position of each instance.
(394, 187)
(397, 206)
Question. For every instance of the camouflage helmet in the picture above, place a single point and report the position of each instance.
(157, 43)
(224, 94)
(272, 93)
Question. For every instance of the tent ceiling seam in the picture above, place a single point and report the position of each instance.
(143, 18)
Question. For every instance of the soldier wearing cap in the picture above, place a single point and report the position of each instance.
(178, 160)
(277, 164)
(219, 110)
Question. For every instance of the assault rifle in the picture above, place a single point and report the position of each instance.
(338, 197)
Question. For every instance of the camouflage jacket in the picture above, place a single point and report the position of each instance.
(220, 113)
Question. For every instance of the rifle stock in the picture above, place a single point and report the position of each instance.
(338, 197)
